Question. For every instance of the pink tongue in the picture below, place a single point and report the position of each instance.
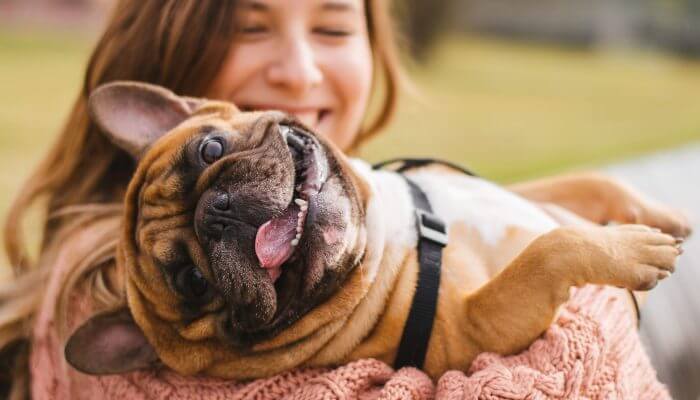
(273, 242)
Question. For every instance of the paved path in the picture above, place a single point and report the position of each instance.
(671, 315)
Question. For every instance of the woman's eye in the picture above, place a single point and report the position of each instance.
(211, 150)
(332, 32)
(255, 29)
(191, 283)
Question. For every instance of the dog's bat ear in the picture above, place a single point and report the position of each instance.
(109, 343)
(193, 103)
(133, 115)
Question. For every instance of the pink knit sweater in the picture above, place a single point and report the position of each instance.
(591, 352)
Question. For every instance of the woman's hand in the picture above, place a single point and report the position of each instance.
(602, 199)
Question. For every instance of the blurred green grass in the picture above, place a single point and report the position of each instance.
(514, 111)
(510, 111)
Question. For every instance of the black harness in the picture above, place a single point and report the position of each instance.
(432, 238)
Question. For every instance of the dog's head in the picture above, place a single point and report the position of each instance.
(236, 226)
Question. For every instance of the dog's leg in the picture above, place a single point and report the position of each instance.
(565, 217)
(601, 199)
(517, 305)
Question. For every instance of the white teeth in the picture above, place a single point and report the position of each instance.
(285, 130)
(300, 222)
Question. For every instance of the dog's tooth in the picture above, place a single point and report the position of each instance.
(295, 242)
(304, 207)
(309, 189)
(300, 215)
(300, 202)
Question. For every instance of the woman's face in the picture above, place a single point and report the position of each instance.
(309, 58)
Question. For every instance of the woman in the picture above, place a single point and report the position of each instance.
(320, 60)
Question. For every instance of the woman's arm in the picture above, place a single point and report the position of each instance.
(602, 199)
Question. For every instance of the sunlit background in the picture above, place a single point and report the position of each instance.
(512, 88)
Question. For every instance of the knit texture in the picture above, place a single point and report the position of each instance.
(592, 351)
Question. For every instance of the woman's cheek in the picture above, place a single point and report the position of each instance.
(354, 69)
(349, 70)
(241, 65)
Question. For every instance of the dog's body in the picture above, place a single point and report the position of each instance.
(488, 227)
(507, 268)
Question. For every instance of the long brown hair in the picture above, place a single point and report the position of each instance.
(179, 44)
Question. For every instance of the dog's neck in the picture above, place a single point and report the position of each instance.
(389, 217)
(391, 241)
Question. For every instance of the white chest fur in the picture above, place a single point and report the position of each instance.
(488, 208)
(477, 203)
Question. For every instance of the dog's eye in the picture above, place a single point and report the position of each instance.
(190, 283)
(211, 150)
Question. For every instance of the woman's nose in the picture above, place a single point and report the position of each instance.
(295, 67)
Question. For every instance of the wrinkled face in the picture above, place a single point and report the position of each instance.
(251, 221)
(308, 58)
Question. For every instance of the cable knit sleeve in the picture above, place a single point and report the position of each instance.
(592, 351)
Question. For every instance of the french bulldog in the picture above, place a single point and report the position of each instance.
(251, 246)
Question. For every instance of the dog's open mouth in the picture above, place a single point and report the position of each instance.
(278, 240)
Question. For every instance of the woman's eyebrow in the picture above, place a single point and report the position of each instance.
(253, 5)
(337, 5)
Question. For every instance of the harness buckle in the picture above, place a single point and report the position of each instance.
(431, 227)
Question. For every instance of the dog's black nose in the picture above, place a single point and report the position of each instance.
(212, 216)
(221, 202)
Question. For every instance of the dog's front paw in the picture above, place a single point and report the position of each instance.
(639, 210)
(638, 256)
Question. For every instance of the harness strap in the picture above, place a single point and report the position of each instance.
(409, 163)
(432, 237)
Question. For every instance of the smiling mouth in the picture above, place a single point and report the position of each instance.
(279, 241)
(310, 117)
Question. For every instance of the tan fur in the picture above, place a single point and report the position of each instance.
(495, 295)
(600, 199)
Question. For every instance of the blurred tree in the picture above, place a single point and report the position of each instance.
(675, 25)
(421, 22)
